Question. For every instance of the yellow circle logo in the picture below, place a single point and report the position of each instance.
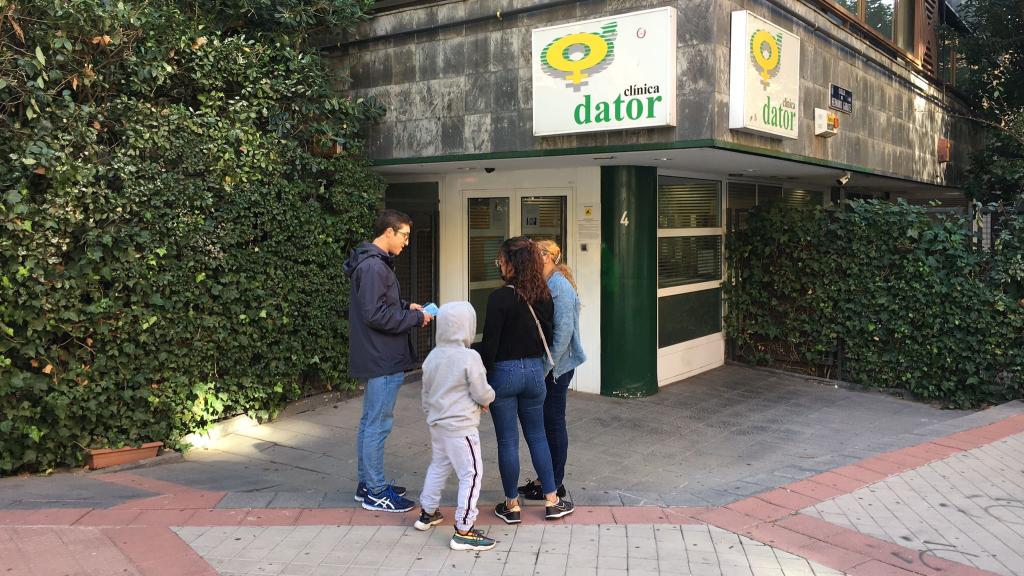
(578, 56)
(594, 51)
(766, 53)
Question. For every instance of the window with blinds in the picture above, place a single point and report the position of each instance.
(689, 259)
(689, 203)
(743, 196)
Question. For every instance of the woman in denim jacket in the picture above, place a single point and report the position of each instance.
(567, 351)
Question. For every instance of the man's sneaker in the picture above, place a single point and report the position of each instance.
(472, 540)
(387, 501)
(509, 515)
(557, 510)
(361, 491)
(427, 520)
(532, 491)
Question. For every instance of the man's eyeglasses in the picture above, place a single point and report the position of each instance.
(403, 233)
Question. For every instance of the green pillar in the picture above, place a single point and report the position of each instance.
(629, 292)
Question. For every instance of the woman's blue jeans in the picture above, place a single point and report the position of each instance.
(554, 422)
(375, 426)
(519, 393)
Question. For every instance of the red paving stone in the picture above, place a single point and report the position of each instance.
(760, 509)
(94, 552)
(685, 515)
(56, 516)
(591, 515)
(220, 517)
(43, 552)
(15, 517)
(811, 526)
(882, 466)
(861, 473)
(909, 458)
(108, 518)
(832, 556)
(728, 519)
(838, 481)
(814, 489)
(957, 443)
(788, 499)
(158, 551)
(164, 517)
(330, 516)
(273, 517)
(940, 451)
(639, 515)
(778, 537)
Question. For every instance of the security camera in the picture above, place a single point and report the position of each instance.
(488, 170)
(844, 179)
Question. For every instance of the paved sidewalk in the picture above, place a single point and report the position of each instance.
(831, 482)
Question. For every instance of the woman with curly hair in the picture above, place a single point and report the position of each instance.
(515, 351)
(567, 354)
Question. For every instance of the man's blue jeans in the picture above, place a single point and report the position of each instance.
(554, 422)
(375, 426)
(519, 392)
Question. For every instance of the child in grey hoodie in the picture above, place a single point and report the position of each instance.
(455, 391)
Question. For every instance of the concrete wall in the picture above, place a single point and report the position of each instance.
(466, 90)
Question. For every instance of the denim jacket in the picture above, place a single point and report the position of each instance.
(566, 347)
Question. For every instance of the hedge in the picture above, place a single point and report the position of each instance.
(172, 228)
(880, 294)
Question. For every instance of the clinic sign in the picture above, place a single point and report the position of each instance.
(612, 73)
(764, 78)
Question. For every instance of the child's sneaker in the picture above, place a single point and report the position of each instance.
(427, 520)
(361, 491)
(387, 501)
(509, 515)
(471, 540)
(557, 510)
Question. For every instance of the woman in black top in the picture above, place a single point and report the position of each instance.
(517, 331)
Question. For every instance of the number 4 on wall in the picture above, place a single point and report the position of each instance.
(624, 220)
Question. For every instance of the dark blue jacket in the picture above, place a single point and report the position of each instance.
(379, 321)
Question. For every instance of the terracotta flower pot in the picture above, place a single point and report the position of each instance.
(98, 458)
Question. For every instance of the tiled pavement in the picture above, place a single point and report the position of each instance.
(967, 508)
(941, 496)
(539, 550)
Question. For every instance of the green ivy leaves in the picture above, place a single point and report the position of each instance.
(155, 189)
(881, 294)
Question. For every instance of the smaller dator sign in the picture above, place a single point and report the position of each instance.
(840, 99)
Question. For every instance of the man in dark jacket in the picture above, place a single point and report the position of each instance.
(379, 351)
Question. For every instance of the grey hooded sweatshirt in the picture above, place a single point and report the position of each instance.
(454, 380)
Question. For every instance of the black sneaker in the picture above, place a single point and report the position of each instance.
(361, 491)
(509, 515)
(531, 491)
(427, 520)
(558, 509)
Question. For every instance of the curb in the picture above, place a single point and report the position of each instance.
(165, 457)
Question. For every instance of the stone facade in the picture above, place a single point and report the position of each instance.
(464, 90)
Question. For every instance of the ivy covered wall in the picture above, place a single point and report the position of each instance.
(880, 294)
(178, 188)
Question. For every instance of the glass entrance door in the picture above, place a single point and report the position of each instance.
(690, 232)
(495, 216)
